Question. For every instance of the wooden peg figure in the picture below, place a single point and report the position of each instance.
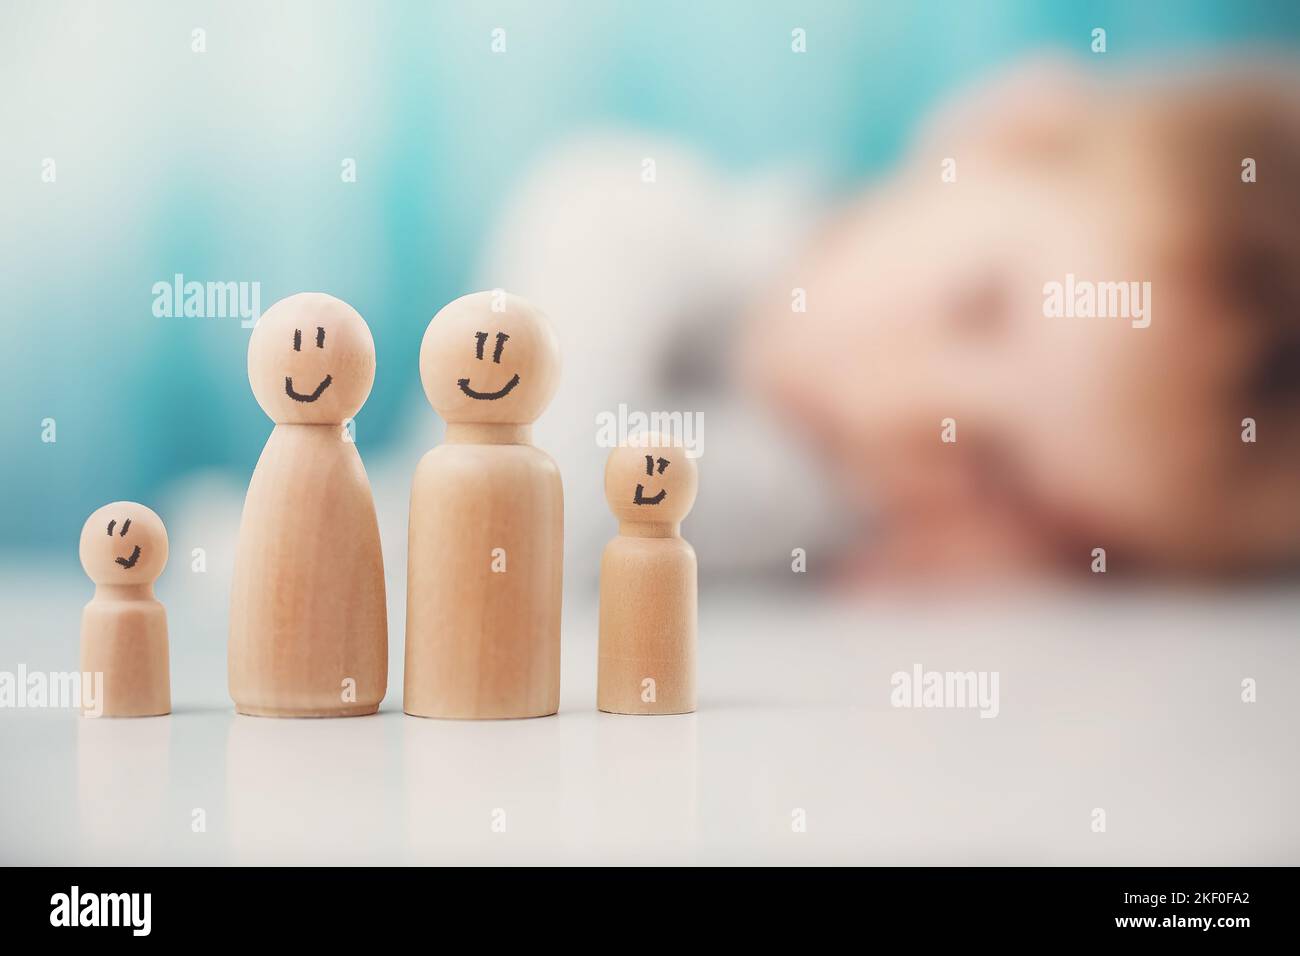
(487, 516)
(124, 627)
(308, 622)
(648, 589)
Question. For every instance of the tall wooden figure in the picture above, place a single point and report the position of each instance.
(124, 627)
(487, 519)
(648, 588)
(308, 623)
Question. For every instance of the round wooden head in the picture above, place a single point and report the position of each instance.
(650, 479)
(490, 357)
(311, 360)
(123, 543)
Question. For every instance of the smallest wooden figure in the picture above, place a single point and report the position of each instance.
(124, 627)
(648, 589)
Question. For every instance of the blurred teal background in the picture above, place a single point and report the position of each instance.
(225, 166)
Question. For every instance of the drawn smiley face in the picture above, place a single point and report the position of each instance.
(489, 357)
(324, 383)
(481, 338)
(640, 497)
(650, 479)
(127, 563)
(123, 543)
(311, 360)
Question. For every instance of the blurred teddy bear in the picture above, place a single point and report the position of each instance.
(648, 284)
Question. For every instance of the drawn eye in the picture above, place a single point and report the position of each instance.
(482, 338)
(501, 343)
(297, 340)
(110, 527)
(663, 463)
(125, 524)
(320, 337)
(649, 464)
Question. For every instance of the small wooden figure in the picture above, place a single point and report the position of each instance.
(124, 627)
(648, 589)
(308, 622)
(487, 519)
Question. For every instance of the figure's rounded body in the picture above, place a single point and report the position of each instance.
(487, 519)
(648, 581)
(648, 598)
(308, 622)
(125, 639)
(484, 583)
(124, 627)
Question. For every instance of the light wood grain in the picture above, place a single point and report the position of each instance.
(485, 558)
(483, 643)
(308, 620)
(124, 627)
(648, 583)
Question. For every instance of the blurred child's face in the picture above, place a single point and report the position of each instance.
(927, 303)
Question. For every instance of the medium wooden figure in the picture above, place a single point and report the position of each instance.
(124, 627)
(308, 623)
(487, 517)
(648, 589)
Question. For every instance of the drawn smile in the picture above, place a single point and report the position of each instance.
(129, 563)
(488, 396)
(641, 499)
(299, 397)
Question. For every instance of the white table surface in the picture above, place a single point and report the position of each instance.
(1131, 704)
